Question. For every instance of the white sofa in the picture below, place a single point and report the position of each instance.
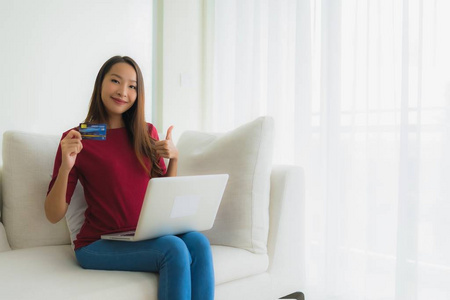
(37, 260)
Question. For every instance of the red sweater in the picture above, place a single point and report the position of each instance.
(114, 184)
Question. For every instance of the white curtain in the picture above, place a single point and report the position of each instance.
(360, 93)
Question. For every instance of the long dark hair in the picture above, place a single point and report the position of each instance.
(134, 118)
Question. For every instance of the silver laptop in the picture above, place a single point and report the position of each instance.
(176, 205)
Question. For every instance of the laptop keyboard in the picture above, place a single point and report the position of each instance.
(128, 234)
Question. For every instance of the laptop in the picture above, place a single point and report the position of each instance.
(176, 205)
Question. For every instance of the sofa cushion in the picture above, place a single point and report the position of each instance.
(232, 263)
(52, 273)
(75, 213)
(246, 155)
(27, 166)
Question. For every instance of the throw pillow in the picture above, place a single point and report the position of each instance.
(26, 157)
(75, 212)
(244, 153)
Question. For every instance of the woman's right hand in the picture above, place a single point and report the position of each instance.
(70, 147)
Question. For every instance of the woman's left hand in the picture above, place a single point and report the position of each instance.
(166, 148)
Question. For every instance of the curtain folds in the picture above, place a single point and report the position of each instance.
(360, 93)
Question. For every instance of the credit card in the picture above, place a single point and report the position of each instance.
(93, 131)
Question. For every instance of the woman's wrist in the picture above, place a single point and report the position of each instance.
(64, 171)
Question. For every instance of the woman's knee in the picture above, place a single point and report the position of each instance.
(195, 238)
(176, 250)
(196, 242)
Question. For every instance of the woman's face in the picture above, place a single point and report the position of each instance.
(119, 89)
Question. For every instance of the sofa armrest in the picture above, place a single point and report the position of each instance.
(4, 245)
(286, 246)
(1, 191)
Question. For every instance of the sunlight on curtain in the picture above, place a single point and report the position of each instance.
(360, 93)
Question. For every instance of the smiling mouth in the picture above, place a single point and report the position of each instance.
(119, 101)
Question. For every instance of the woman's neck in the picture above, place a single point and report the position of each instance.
(114, 123)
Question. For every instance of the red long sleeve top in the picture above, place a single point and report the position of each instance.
(114, 184)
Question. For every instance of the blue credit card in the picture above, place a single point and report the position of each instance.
(92, 131)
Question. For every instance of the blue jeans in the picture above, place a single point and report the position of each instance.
(184, 263)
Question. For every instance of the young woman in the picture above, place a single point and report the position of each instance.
(114, 174)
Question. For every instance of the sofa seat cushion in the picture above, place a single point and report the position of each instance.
(234, 263)
(52, 272)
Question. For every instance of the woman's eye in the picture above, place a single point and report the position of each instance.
(114, 80)
(132, 86)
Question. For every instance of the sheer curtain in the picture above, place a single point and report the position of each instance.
(360, 93)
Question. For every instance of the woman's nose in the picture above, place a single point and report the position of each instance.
(121, 91)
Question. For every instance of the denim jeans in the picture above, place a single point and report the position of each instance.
(184, 263)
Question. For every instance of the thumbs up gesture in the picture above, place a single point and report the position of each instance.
(166, 148)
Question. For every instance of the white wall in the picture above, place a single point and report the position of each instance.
(51, 51)
(181, 74)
